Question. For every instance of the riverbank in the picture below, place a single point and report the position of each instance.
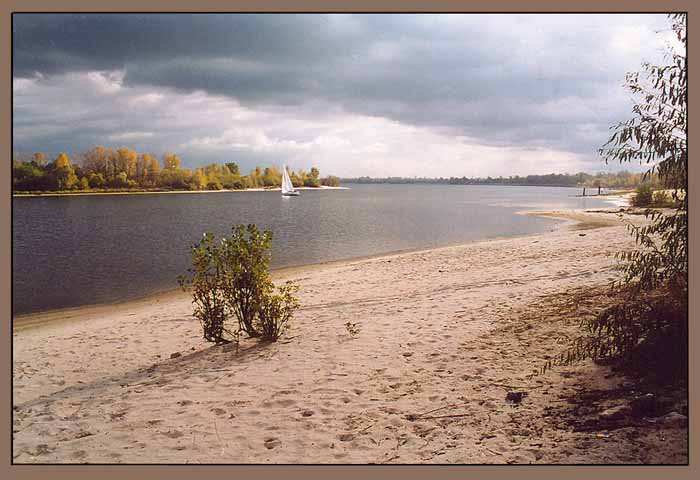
(572, 219)
(444, 335)
(157, 192)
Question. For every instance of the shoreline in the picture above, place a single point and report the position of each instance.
(570, 219)
(158, 192)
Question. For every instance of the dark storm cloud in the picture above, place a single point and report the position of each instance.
(549, 81)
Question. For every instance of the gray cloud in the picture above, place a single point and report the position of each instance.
(508, 81)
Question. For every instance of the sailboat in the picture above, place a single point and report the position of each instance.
(287, 187)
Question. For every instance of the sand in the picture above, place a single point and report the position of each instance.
(444, 335)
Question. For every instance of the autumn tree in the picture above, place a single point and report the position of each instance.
(39, 159)
(171, 161)
(272, 177)
(199, 179)
(312, 179)
(63, 172)
(331, 181)
(153, 170)
(296, 180)
(233, 168)
(143, 166)
(126, 161)
(97, 161)
(256, 178)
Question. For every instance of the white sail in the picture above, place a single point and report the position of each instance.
(287, 187)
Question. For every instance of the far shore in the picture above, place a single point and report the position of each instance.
(157, 192)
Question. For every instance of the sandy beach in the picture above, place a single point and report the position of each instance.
(444, 335)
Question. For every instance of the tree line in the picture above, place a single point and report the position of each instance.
(104, 169)
(623, 179)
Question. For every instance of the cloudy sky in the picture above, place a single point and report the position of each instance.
(425, 95)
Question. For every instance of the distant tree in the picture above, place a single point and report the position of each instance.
(143, 166)
(331, 181)
(175, 179)
(84, 183)
(272, 177)
(127, 160)
(199, 180)
(256, 178)
(63, 173)
(153, 171)
(121, 180)
(97, 160)
(312, 180)
(28, 176)
(233, 168)
(40, 159)
(171, 161)
(96, 180)
(296, 180)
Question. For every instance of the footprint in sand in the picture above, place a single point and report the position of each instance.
(285, 402)
(272, 442)
(79, 454)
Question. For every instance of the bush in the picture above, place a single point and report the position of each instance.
(214, 185)
(312, 182)
(247, 258)
(231, 281)
(643, 196)
(275, 310)
(663, 200)
(96, 180)
(205, 281)
(642, 332)
(331, 181)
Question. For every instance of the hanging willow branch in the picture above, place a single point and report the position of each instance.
(652, 310)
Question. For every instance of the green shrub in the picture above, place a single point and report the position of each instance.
(312, 182)
(643, 196)
(275, 310)
(230, 281)
(205, 281)
(642, 332)
(330, 181)
(247, 259)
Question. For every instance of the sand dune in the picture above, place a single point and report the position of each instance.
(444, 335)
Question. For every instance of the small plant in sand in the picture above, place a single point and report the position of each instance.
(230, 280)
(352, 328)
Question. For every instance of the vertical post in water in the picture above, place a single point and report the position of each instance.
(584, 191)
